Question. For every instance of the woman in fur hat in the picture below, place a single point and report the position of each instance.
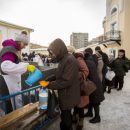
(11, 69)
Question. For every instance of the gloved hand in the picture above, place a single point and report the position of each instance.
(44, 83)
(31, 68)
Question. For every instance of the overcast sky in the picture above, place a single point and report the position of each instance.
(55, 18)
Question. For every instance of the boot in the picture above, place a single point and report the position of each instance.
(97, 118)
(80, 124)
(79, 127)
(109, 90)
(64, 128)
(90, 112)
(119, 89)
(75, 118)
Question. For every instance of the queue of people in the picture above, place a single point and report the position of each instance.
(91, 66)
(41, 60)
(72, 69)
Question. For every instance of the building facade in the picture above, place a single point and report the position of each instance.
(38, 49)
(116, 26)
(10, 31)
(79, 40)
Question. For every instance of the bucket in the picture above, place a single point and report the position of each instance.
(34, 77)
(43, 99)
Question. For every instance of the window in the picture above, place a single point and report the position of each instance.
(112, 52)
(114, 10)
(15, 35)
(114, 26)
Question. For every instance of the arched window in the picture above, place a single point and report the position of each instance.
(114, 10)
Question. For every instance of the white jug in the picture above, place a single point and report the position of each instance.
(43, 99)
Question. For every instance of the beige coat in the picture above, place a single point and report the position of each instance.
(100, 67)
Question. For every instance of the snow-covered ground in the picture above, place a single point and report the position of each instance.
(115, 111)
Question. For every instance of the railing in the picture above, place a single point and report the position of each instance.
(27, 92)
(113, 35)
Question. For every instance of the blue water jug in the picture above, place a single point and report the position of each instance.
(34, 77)
(43, 99)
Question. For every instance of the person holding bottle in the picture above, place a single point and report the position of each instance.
(66, 81)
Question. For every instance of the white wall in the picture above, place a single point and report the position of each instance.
(4, 34)
(11, 33)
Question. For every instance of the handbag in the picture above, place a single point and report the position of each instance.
(110, 75)
(84, 101)
(53, 105)
(87, 87)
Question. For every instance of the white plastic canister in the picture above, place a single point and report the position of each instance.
(43, 99)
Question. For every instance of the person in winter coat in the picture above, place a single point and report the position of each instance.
(120, 66)
(24, 57)
(106, 62)
(71, 49)
(93, 56)
(110, 83)
(84, 100)
(11, 69)
(97, 96)
(38, 60)
(100, 66)
(66, 81)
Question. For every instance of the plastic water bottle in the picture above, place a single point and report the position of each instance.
(43, 99)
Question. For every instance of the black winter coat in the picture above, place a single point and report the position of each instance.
(97, 96)
(120, 66)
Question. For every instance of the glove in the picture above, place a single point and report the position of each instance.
(44, 83)
(31, 68)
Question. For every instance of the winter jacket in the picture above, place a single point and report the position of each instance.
(97, 96)
(83, 74)
(83, 69)
(67, 81)
(105, 61)
(120, 66)
(100, 68)
(11, 69)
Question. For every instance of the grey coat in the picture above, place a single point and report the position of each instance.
(100, 68)
(97, 96)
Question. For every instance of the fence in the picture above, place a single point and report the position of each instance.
(25, 93)
(41, 122)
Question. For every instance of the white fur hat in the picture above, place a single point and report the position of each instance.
(22, 38)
